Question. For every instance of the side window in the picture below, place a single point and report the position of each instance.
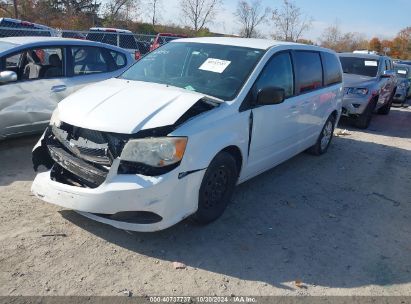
(119, 59)
(278, 72)
(39, 63)
(308, 71)
(88, 60)
(332, 70)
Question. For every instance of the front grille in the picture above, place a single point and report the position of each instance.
(93, 151)
(81, 157)
(89, 174)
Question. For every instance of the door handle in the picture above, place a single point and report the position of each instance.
(58, 88)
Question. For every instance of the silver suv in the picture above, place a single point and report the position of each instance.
(369, 85)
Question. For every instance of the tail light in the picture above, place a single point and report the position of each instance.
(137, 55)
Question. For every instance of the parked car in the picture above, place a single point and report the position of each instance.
(73, 34)
(162, 38)
(118, 37)
(403, 91)
(369, 85)
(174, 134)
(38, 72)
(407, 62)
(15, 27)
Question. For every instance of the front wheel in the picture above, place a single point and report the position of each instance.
(216, 188)
(324, 140)
(385, 109)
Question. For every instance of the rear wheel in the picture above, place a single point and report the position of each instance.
(324, 140)
(216, 188)
(363, 120)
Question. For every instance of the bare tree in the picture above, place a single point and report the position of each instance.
(199, 13)
(9, 8)
(121, 10)
(154, 6)
(335, 39)
(290, 22)
(250, 15)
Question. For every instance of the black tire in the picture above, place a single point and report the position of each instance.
(325, 137)
(363, 121)
(216, 188)
(385, 109)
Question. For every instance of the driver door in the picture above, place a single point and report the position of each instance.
(275, 128)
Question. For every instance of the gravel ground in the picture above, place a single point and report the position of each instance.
(339, 224)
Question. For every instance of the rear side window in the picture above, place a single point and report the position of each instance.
(119, 59)
(308, 70)
(278, 72)
(89, 60)
(332, 69)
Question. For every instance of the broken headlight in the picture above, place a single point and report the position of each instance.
(155, 152)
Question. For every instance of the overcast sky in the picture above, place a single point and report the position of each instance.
(381, 18)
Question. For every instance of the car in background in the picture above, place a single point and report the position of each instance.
(118, 37)
(14, 27)
(175, 133)
(72, 34)
(38, 72)
(403, 91)
(407, 62)
(162, 38)
(369, 85)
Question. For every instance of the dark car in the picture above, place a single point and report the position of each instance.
(14, 27)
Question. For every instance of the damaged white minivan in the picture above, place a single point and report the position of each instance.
(173, 135)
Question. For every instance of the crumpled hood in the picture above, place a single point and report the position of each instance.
(123, 106)
(358, 81)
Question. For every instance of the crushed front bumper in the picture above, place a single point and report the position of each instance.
(167, 199)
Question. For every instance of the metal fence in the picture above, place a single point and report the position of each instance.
(129, 41)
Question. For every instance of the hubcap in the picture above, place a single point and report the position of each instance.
(216, 187)
(327, 133)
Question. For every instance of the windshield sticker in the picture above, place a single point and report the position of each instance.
(403, 72)
(214, 65)
(370, 63)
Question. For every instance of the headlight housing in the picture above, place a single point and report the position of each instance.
(55, 118)
(357, 91)
(155, 152)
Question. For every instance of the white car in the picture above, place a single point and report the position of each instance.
(173, 135)
(38, 72)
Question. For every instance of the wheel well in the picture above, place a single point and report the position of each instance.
(236, 153)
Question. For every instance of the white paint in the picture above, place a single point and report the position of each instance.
(370, 63)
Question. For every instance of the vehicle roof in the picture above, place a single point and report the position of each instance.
(402, 65)
(254, 43)
(22, 21)
(361, 55)
(30, 41)
(108, 29)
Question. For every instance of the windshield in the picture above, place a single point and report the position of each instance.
(402, 72)
(211, 69)
(359, 66)
(4, 46)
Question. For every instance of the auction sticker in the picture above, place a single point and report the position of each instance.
(215, 65)
(370, 63)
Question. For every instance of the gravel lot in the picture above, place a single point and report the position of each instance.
(339, 224)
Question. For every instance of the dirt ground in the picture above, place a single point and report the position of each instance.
(339, 223)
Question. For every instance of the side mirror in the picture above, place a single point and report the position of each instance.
(8, 76)
(388, 74)
(270, 96)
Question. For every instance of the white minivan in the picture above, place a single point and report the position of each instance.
(173, 135)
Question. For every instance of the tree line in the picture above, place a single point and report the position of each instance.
(288, 22)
